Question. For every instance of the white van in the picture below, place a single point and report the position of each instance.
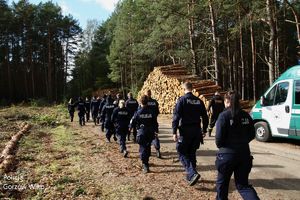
(277, 114)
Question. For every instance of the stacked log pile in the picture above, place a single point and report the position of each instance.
(8, 154)
(165, 83)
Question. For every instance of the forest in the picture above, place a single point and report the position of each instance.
(239, 44)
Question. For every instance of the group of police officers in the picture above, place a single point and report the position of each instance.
(234, 131)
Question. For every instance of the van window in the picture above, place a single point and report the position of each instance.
(278, 94)
(297, 92)
(271, 96)
(281, 93)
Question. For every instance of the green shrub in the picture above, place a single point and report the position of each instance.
(38, 102)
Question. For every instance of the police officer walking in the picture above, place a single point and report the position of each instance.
(121, 119)
(186, 118)
(106, 114)
(234, 131)
(101, 105)
(87, 105)
(153, 105)
(71, 109)
(81, 111)
(216, 105)
(146, 122)
(94, 108)
(132, 106)
(118, 98)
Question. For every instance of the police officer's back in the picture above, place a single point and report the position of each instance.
(71, 108)
(234, 131)
(131, 104)
(216, 105)
(87, 104)
(121, 117)
(146, 122)
(187, 116)
(107, 110)
(94, 108)
(101, 105)
(81, 111)
(106, 117)
(152, 103)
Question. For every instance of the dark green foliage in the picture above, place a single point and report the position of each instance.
(35, 45)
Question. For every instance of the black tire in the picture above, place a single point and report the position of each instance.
(262, 132)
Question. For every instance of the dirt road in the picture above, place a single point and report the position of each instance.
(275, 174)
(73, 162)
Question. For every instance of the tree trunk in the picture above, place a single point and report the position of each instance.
(297, 19)
(31, 66)
(272, 39)
(66, 67)
(10, 93)
(253, 57)
(229, 60)
(191, 6)
(242, 58)
(215, 42)
(49, 84)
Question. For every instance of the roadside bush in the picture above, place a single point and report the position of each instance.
(38, 102)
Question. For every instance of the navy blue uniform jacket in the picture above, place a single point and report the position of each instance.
(233, 136)
(107, 111)
(71, 107)
(145, 118)
(188, 111)
(153, 105)
(217, 105)
(94, 105)
(132, 105)
(87, 105)
(101, 105)
(81, 107)
(121, 117)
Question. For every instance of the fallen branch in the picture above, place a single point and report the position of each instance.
(8, 154)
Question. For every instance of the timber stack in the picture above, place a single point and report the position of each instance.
(165, 83)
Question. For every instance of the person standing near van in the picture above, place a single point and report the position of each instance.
(234, 131)
(216, 106)
(188, 112)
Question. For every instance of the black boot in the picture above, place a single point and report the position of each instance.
(115, 138)
(209, 132)
(125, 153)
(194, 179)
(158, 154)
(146, 168)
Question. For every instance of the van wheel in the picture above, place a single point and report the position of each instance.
(262, 132)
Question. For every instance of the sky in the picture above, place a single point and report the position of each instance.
(84, 10)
